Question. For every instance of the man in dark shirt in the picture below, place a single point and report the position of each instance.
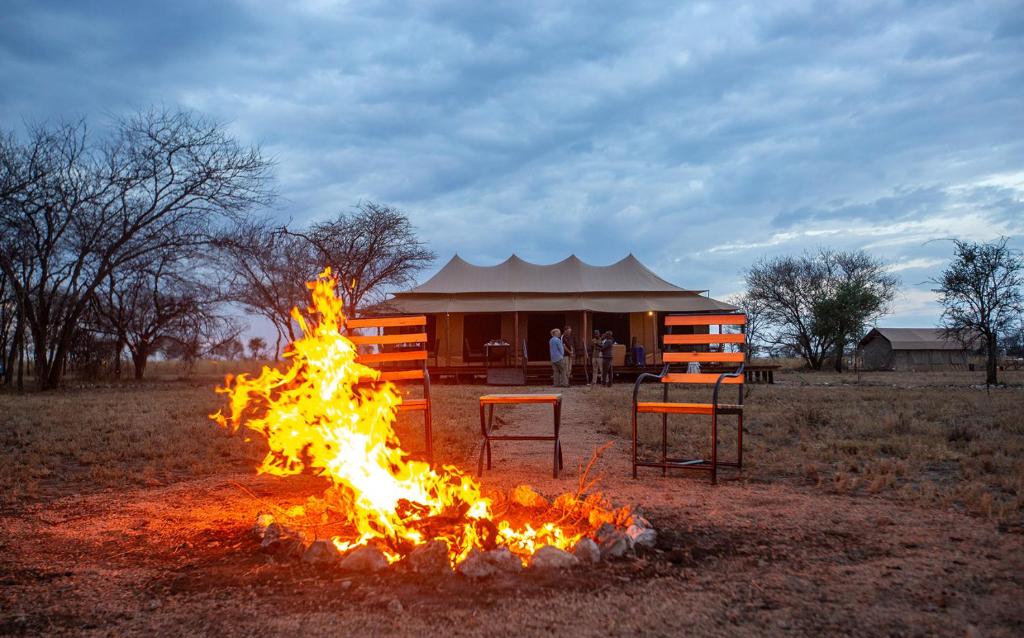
(607, 344)
(568, 346)
(595, 358)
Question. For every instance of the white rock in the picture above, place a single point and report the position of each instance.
(478, 564)
(550, 557)
(504, 560)
(612, 542)
(263, 521)
(643, 536)
(364, 559)
(431, 558)
(321, 552)
(587, 551)
(475, 566)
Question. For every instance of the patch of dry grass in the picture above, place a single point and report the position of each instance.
(134, 434)
(918, 436)
(928, 438)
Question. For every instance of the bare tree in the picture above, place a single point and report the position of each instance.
(373, 250)
(756, 321)
(200, 337)
(982, 297)
(145, 303)
(72, 211)
(816, 303)
(267, 270)
(230, 350)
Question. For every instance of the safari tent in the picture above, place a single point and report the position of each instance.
(518, 303)
(911, 349)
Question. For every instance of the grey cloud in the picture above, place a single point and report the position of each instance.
(595, 128)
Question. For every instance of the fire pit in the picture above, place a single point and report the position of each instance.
(328, 415)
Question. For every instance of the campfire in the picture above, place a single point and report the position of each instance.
(328, 415)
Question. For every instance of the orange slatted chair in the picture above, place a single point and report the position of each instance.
(400, 358)
(714, 348)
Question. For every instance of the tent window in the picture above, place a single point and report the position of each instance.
(480, 328)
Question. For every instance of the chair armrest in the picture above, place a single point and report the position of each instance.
(722, 377)
(643, 377)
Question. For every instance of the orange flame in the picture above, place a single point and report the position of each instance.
(330, 415)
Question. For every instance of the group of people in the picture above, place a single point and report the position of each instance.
(563, 347)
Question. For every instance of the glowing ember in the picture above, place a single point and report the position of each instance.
(328, 415)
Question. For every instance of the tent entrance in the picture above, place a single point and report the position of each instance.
(538, 332)
(617, 322)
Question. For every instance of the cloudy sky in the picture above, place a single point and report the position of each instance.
(700, 136)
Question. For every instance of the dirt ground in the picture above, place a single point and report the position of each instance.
(760, 554)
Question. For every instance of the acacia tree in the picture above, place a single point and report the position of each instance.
(73, 211)
(981, 294)
(266, 270)
(816, 303)
(147, 303)
(257, 347)
(859, 290)
(372, 250)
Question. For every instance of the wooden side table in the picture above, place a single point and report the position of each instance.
(487, 403)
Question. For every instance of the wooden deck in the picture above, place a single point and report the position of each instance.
(540, 373)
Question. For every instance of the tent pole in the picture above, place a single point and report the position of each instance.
(515, 339)
(584, 342)
(447, 339)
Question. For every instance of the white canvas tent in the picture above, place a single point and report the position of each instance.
(517, 301)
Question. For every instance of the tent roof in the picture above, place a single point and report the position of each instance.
(915, 339)
(532, 302)
(571, 275)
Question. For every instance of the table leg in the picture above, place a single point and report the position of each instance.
(483, 442)
(557, 460)
(490, 428)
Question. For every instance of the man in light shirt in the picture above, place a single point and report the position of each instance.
(557, 354)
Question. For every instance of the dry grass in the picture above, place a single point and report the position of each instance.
(926, 438)
(128, 513)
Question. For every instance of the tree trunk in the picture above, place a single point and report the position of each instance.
(840, 347)
(140, 356)
(11, 359)
(991, 362)
(42, 369)
(21, 362)
(117, 359)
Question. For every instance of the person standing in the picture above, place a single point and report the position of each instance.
(595, 358)
(569, 348)
(557, 355)
(607, 345)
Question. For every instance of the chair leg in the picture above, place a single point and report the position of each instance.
(714, 448)
(428, 432)
(664, 444)
(634, 440)
(490, 426)
(739, 442)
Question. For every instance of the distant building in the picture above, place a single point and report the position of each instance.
(911, 349)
